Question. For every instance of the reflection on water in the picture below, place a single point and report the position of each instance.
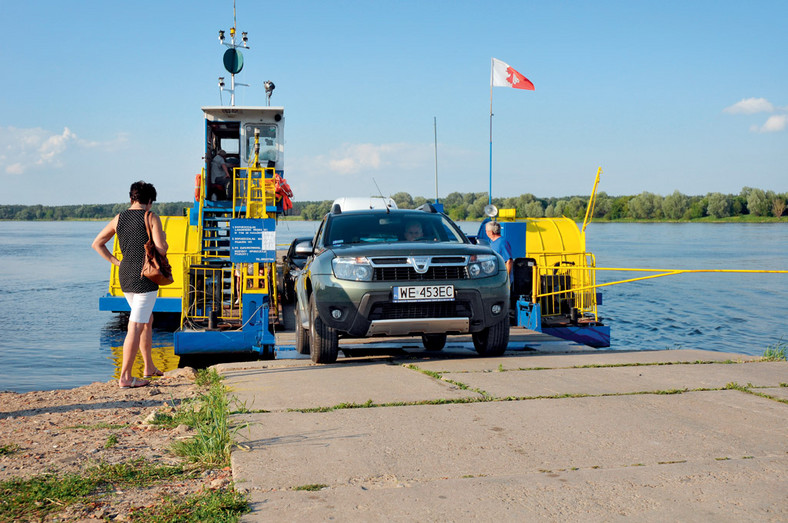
(164, 357)
(163, 351)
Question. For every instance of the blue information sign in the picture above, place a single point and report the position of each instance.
(252, 240)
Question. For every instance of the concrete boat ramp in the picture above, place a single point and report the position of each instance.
(547, 432)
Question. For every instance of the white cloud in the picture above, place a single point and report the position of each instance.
(22, 150)
(750, 106)
(354, 158)
(775, 123)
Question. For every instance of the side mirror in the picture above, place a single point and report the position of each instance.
(304, 248)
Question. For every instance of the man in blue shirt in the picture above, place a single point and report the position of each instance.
(499, 244)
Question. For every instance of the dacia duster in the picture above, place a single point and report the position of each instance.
(384, 272)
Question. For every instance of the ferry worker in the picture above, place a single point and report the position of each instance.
(220, 173)
(139, 291)
(499, 244)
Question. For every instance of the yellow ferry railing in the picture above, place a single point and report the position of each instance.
(582, 291)
(209, 289)
(565, 283)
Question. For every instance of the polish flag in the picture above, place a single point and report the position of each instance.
(504, 76)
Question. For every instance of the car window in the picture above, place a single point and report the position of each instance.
(389, 228)
(318, 241)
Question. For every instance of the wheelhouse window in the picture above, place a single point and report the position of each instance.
(268, 143)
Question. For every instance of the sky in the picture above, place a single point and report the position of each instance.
(664, 96)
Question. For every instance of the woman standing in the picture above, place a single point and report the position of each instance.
(139, 291)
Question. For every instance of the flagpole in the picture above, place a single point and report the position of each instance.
(435, 128)
(489, 192)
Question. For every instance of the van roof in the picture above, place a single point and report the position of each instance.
(361, 203)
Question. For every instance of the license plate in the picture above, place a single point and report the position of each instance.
(423, 293)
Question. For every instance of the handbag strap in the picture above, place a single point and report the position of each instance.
(147, 224)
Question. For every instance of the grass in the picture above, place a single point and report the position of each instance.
(34, 498)
(211, 505)
(8, 449)
(209, 416)
(775, 352)
(112, 440)
(99, 426)
(312, 487)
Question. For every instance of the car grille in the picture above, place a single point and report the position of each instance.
(410, 274)
(422, 310)
(400, 269)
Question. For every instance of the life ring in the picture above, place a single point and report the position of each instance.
(197, 184)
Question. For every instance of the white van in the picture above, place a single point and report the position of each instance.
(363, 203)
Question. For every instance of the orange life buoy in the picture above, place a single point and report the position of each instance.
(197, 180)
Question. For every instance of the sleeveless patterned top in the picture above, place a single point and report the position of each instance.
(132, 237)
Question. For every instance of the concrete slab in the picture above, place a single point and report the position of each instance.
(530, 360)
(302, 385)
(622, 380)
(775, 392)
(420, 443)
(720, 491)
(715, 455)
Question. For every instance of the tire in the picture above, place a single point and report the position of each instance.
(287, 292)
(301, 334)
(433, 342)
(492, 341)
(323, 340)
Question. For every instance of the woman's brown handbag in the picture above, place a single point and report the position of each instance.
(156, 267)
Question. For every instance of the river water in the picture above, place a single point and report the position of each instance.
(53, 336)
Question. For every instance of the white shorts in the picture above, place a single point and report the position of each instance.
(141, 305)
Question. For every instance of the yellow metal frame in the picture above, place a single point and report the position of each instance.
(254, 189)
(573, 274)
(207, 290)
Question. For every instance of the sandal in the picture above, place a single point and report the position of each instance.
(156, 374)
(135, 383)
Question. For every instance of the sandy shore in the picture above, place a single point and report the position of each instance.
(66, 431)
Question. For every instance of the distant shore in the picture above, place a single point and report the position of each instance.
(730, 219)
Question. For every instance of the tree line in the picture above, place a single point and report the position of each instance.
(643, 206)
(98, 211)
(470, 206)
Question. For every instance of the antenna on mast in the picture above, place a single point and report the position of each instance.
(233, 59)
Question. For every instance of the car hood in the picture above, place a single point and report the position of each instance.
(410, 249)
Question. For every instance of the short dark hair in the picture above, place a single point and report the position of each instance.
(142, 192)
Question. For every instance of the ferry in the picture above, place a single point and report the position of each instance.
(223, 249)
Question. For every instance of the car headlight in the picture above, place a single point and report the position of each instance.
(355, 269)
(483, 266)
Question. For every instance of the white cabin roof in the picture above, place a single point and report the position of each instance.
(247, 114)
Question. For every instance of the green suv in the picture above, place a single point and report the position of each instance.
(387, 272)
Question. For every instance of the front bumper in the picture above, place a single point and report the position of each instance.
(367, 308)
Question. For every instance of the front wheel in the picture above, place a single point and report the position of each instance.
(323, 340)
(492, 341)
(433, 342)
(301, 334)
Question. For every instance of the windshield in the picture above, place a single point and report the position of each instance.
(381, 227)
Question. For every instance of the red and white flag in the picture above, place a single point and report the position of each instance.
(504, 76)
